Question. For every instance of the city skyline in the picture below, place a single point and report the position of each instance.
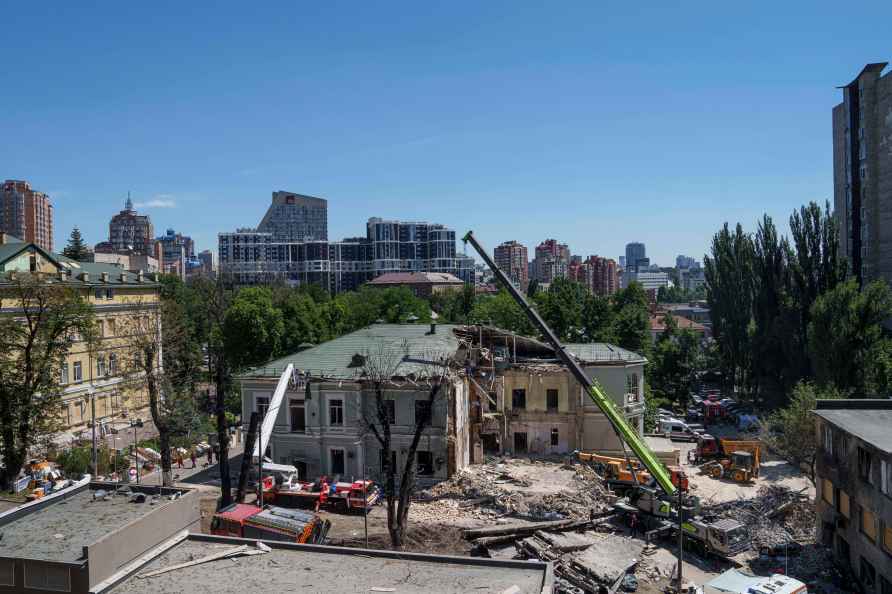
(602, 123)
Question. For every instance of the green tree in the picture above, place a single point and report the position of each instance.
(304, 320)
(502, 311)
(455, 306)
(676, 361)
(846, 332)
(631, 319)
(729, 281)
(598, 319)
(791, 430)
(76, 248)
(252, 328)
(561, 306)
(35, 338)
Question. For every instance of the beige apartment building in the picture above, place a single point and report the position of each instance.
(26, 213)
(121, 301)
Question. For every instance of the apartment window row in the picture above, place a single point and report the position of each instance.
(519, 399)
(104, 294)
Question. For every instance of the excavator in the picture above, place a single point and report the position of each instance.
(622, 475)
(660, 502)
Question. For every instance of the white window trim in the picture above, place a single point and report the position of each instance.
(328, 399)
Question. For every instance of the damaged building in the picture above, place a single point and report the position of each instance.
(524, 400)
(322, 427)
(853, 477)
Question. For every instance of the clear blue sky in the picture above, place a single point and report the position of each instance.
(595, 123)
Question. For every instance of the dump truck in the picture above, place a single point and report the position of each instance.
(655, 502)
(355, 496)
(723, 538)
(270, 523)
(727, 458)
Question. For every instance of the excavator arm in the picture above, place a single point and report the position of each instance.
(595, 391)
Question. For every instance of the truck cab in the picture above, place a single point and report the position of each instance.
(725, 538)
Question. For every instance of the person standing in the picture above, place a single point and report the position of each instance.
(193, 457)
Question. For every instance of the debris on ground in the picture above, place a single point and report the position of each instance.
(775, 517)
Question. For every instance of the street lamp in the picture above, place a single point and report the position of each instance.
(135, 424)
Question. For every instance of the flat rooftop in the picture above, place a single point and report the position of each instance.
(60, 531)
(869, 425)
(299, 568)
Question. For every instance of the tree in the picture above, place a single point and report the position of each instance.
(791, 430)
(455, 306)
(676, 359)
(35, 337)
(598, 319)
(252, 328)
(380, 372)
(76, 248)
(631, 319)
(846, 333)
(303, 320)
(561, 306)
(502, 311)
(729, 282)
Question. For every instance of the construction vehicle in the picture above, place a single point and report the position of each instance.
(725, 537)
(655, 505)
(734, 459)
(272, 523)
(358, 496)
(622, 475)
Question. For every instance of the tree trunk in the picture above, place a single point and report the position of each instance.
(223, 434)
(246, 456)
(13, 460)
(158, 418)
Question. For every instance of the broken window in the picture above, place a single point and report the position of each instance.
(422, 412)
(337, 461)
(551, 397)
(555, 436)
(425, 463)
(868, 524)
(520, 443)
(827, 435)
(865, 465)
(886, 477)
(298, 418)
(843, 504)
(336, 412)
(827, 491)
(261, 405)
(518, 399)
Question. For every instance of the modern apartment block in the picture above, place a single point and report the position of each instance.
(862, 173)
(177, 253)
(26, 214)
(260, 256)
(129, 232)
(853, 473)
(511, 257)
(599, 275)
(294, 217)
(206, 259)
(635, 253)
(552, 260)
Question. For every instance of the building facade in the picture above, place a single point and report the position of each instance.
(422, 284)
(26, 214)
(255, 256)
(862, 173)
(177, 253)
(129, 231)
(293, 218)
(635, 254)
(511, 257)
(206, 261)
(599, 275)
(650, 281)
(323, 426)
(552, 260)
(118, 297)
(853, 474)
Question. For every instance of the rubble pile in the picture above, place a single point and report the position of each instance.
(775, 517)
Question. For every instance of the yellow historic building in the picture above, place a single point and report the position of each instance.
(121, 301)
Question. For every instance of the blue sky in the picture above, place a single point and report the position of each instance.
(595, 123)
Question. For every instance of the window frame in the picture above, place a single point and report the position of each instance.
(332, 407)
(548, 400)
(78, 372)
(424, 404)
(555, 437)
(343, 452)
(64, 377)
(515, 394)
(865, 458)
(293, 405)
(418, 465)
(261, 408)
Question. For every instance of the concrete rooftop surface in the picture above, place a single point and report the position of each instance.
(59, 531)
(291, 570)
(870, 425)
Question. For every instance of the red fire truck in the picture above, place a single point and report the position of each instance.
(336, 496)
(271, 523)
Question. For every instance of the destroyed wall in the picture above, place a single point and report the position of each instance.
(854, 516)
(541, 406)
(624, 383)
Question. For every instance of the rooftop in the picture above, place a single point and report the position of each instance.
(603, 352)
(60, 529)
(868, 420)
(658, 324)
(307, 568)
(336, 359)
(413, 278)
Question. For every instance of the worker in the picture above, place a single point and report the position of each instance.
(633, 524)
(210, 456)
(179, 459)
(193, 457)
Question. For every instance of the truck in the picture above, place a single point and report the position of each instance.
(737, 460)
(270, 523)
(621, 474)
(657, 505)
(355, 496)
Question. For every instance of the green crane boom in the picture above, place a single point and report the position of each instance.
(595, 391)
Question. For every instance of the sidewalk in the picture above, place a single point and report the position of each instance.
(202, 475)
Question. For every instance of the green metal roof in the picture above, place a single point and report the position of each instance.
(603, 352)
(406, 345)
(93, 269)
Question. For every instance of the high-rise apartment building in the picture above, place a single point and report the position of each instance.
(177, 253)
(511, 257)
(26, 214)
(552, 260)
(129, 232)
(682, 261)
(862, 173)
(258, 256)
(635, 252)
(599, 275)
(206, 259)
(294, 217)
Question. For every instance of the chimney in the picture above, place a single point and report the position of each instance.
(85, 276)
(139, 276)
(11, 275)
(103, 277)
(63, 275)
(122, 277)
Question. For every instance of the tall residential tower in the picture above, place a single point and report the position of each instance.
(26, 214)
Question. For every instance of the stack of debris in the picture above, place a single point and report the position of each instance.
(775, 517)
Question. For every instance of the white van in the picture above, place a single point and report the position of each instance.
(677, 430)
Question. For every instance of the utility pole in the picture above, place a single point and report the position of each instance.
(93, 415)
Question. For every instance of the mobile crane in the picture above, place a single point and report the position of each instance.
(645, 499)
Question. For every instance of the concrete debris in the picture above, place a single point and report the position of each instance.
(776, 516)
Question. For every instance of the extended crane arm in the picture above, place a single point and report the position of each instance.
(595, 391)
